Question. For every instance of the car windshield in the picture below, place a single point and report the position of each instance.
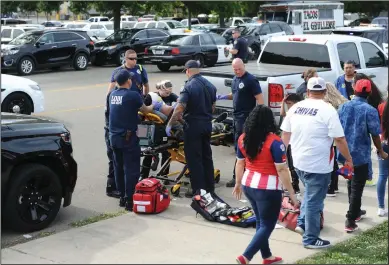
(179, 40)
(247, 20)
(25, 38)
(175, 25)
(120, 35)
(248, 30)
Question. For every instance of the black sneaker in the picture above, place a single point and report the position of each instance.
(189, 193)
(231, 183)
(129, 205)
(319, 243)
(362, 214)
(331, 193)
(122, 202)
(113, 193)
(350, 226)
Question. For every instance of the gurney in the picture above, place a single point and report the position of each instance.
(153, 141)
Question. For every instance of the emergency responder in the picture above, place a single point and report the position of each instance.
(194, 111)
(140, 80)
(164, 90)
(241, 47)
(124, 104)
(246, 93)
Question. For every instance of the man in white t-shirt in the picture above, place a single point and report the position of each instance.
(310, 127)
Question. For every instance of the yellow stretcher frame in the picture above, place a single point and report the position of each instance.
(177, 154)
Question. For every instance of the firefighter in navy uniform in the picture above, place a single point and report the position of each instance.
(140, 81)
(241, 47)
(139, 84)
(194, 110)
(246, 94)
(124, 105)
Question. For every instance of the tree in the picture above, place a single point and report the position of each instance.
(7, 7)
(371, 9)
(49, 6)
(28, 7)
(79, 7)
(110, 7)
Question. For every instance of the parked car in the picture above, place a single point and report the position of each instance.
(126, 18)
(194, 21)
(52, 23)
(203, 27)
(380, 21)
(37, 171)
(363, 21)
(113, 48)
(377, 34)
(47, 49)
(8, 33)
(171, 26)
(21, 95)
(283, 59)
(98, 19)
(207, 48)
(75, 25)
(99, 28)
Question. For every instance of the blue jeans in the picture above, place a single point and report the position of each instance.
(382, 178)
(238, 130)
(266, 205)
(316, 187)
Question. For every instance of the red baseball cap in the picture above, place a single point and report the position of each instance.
(363, 85)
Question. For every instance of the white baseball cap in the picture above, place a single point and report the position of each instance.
(316, 84)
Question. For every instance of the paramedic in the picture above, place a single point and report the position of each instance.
(140, 80)
(246, 93)
(194, 109)
(164, 90)
(261, 170)
(241, 47)
(123, 125)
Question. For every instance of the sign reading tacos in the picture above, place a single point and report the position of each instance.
(312, 22)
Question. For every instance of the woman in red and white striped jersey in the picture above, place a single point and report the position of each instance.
(260, 170)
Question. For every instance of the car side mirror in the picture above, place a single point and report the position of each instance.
(38, 44)
(134, 40)
(256, 34)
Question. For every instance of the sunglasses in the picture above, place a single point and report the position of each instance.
(132, 59)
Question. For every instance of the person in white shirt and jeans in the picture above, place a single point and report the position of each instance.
(310, 127)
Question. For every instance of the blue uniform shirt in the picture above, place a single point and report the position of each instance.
(140, 77)
(359, 120)
(241, 45)
(123, 112)
(244, 89)
(199, 95)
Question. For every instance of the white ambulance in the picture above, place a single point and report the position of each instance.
(306, 17)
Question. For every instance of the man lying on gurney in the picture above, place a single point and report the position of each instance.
(164, 111)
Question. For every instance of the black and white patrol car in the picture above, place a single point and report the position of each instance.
(207, 48)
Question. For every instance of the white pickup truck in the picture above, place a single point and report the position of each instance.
(284, 59)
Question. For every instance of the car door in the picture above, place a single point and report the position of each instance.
(264, 33)
(221, 44)
(46, 51)
(375, 65)
(67, 45)
(156, 37)
(208, 48)
(139, 41)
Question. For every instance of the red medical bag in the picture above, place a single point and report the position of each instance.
(150, 196)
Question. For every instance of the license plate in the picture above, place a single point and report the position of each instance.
(159, 52)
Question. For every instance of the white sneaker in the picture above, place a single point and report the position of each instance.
(382, 212)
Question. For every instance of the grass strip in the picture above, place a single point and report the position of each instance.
(97, 218)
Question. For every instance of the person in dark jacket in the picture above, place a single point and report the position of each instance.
(302, 89)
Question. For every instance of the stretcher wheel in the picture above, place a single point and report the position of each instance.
(217, 178)
(175, 190)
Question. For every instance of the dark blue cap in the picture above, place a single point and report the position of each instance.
(122, 76)
(192, 64)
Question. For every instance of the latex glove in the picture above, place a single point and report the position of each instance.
(221, 97)
(157, 105)
(168, 130)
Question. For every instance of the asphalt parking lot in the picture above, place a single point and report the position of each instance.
(77, 99)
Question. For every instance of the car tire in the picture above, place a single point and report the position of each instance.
(163, 67)
(80, 62)
(200, 59)
(20, 100)
(256, 51)
(21, 192)
(120, 58)
(26, 66)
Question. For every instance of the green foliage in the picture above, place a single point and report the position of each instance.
(29, 6)
(9, 6)
(80, 7)
(372, 9)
